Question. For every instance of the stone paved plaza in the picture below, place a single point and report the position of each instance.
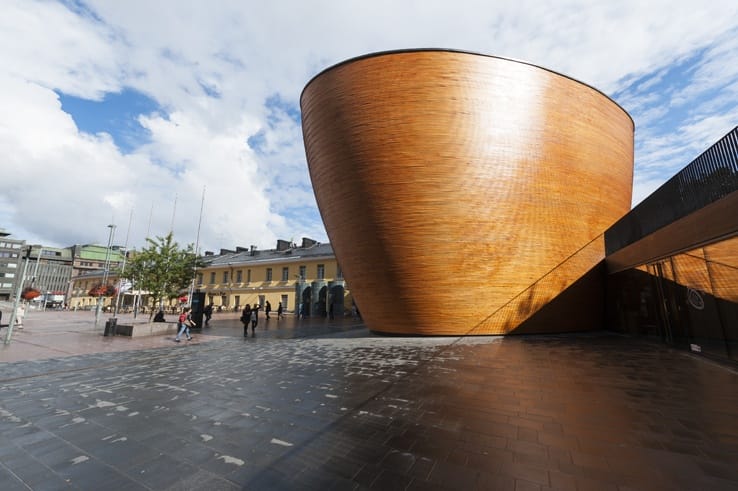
(321, 405)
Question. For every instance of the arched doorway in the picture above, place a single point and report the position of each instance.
(320, 306)
(307, 295)
(335, 300)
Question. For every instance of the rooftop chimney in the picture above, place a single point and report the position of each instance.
(308, 242)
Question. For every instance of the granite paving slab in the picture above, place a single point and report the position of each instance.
(322, 406)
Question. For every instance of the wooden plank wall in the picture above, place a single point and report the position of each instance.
(451, 182)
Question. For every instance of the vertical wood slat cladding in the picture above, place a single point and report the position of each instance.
(451, 182)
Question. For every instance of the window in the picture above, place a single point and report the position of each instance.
(239, 278)
(303, 271)
(285, 274)
(199, 278)
(248, 276)
(321, 271)
(212, 278)
(269, 274)
(225, 276)
(339, 273)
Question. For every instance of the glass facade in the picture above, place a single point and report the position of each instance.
(689, 300)
(675, 258)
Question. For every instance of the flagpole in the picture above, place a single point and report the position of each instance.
(123, 268)
(151, 213)
(137, 291)
(174, 212)
(197, 247)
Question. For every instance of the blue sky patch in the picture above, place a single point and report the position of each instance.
(278, 111)
(257, 142)
(660, 89)
(117, 114)
(276, 106)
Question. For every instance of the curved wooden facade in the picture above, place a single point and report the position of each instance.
(462, 193)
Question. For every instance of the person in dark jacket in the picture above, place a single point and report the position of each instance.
(246, 319)
(208, 311)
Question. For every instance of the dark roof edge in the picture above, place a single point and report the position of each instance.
(449, 50)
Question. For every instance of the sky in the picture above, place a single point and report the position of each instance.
(184, 116)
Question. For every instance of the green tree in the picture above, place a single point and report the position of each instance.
(163, 269)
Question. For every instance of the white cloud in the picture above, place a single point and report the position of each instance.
(46, 43)
(63, 186)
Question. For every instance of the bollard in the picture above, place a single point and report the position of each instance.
(110, 326)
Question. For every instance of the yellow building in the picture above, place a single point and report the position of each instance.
(306, 276)
(127, 299)
(80, 286)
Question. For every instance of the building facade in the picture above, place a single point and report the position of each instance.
(89, 258)
(490, 179)
(11, 255)
(80, 286)
(306, 277)
(507, 187)
(672, 263)
(49, 271)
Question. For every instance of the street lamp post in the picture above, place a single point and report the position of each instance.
(19, 288)
(105, 273)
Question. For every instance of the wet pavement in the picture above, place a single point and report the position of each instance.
(328, 405)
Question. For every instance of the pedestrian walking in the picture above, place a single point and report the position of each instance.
(246, 319)
(280, 309)
(267, 309)
(208, 311)
(20, 312)
(254, 318)
(183, 323)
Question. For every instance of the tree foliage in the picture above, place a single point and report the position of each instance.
(162, 268)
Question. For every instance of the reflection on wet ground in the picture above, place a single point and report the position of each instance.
(320, 405)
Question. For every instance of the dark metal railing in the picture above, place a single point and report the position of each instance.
(709, 177)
